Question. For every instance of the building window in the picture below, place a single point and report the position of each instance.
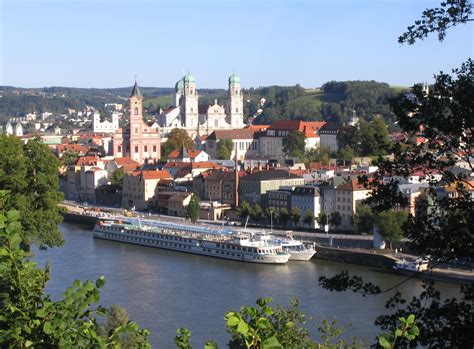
(145, 149)
(119, 148)
(136, 149)
(136, 130)
(154, 148)
(236, 110)
(135, 111)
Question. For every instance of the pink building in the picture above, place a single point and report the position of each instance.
(137, 140)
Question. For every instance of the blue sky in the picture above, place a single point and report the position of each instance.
(105, 43)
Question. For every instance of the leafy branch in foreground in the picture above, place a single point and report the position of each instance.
(439, 19)
(28, 316)
(442, 323)
(265, 327)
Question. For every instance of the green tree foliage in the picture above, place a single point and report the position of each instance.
(322, 218)
(30, 172)
(257, 212)
(295, 215)
(294, 144)
(284, 216)
(177, 138)
(366, 139)
(389, 224)
(438, 20)
(309, 218)
(445, 230)
(69, 157)
(28, 316)
(335, 219)
(320, 154)
(224, 149)
(364, 219)
(267, 327)
(244, 210)
(194, 208)
(116, 178)
(346, 154)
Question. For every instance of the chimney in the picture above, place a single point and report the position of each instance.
(236, 191)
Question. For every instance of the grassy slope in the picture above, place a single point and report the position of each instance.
(160, 100)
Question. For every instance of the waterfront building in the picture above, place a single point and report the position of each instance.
(307, 198)
(254, 186)
(139, 188)
(280, 198)
(137, 140)
(347, 197)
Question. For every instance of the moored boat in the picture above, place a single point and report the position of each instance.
(411, 265)
(299, 251)
(194, 239)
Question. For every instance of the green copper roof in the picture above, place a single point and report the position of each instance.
(234, 79)
(189, 79)
(179, 85)
(135, 90)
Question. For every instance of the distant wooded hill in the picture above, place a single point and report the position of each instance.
(334, 101)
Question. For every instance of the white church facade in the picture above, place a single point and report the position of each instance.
(197, 119)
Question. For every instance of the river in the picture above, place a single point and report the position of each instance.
(165, 290)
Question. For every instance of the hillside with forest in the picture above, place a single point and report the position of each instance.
(334, 101)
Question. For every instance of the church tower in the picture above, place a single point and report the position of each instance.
(190, 106)
(178, 91)
(235, 106)
(136, 123)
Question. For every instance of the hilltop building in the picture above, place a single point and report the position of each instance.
(137, 140)
(203, 119)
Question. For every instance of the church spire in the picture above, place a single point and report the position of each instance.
(136, 90)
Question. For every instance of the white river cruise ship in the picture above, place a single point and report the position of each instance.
(200, 240)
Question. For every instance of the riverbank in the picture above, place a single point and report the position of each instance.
(349, 249)
(384, 262)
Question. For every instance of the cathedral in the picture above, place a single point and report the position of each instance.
(202, 119)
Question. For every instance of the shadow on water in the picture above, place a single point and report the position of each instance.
(165, 290)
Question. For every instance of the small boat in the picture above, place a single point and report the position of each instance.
(298, 250)
(412, 265)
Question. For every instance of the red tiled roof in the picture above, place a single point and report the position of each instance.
(77, 148)
(206, 164)
(161, 174)
(309, 128)
(175, 154)
(352, 185)
(126, 164)
(244, 133)
(177, 164)
(87, 161)
(257, 127)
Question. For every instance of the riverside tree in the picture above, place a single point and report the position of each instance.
(30, 172)
(444, 117)
(193, 208)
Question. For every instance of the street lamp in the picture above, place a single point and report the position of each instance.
(271, 221)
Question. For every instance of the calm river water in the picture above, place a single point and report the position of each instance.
(165, 290)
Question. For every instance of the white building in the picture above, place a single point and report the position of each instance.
(307, 198)
(245, 142)
(105, 126)
(16, 130)
(328, 136)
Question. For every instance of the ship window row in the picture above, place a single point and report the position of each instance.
(238, 248)
(156, 242)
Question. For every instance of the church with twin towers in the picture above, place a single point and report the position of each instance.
(196, 119)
